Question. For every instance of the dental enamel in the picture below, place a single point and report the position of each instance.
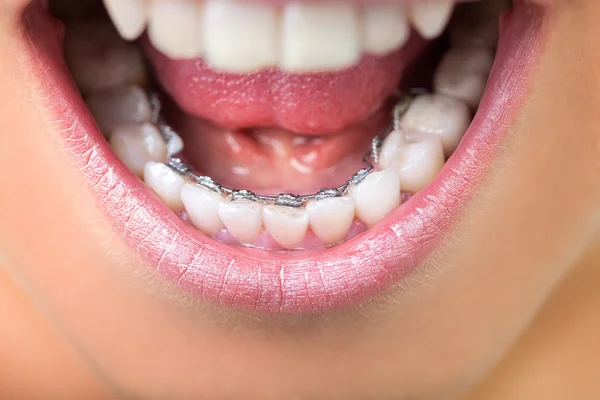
(405, 164)
(111, 74)
(241, 36)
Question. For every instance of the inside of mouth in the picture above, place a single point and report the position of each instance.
(255, 122)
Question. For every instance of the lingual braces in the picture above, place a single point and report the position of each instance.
(370, 160)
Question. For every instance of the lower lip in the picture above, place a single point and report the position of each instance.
(291, 283)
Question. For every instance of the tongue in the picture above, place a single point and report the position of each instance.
(316, 103)
(273, 132)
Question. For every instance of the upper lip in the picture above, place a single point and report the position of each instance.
(293, 283)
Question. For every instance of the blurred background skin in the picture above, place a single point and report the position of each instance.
(554, 153)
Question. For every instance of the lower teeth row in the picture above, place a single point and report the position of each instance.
(402, 163)
(409, 158)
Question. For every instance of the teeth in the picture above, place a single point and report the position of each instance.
(377, 195)
(202, 207)
(439, 115)
(330, 219)
(240, 36)
(135, 145)
(470, 60)
(418, 163)
(389, 148)
(175, 144)
(175, 27)
(243, 219)
(477, 24)
(319, 36)
(99, 59)
(430, 17)
(235, 36)
(463, 74)
(286, 225)
(385, 28)
(129, 16)
(124, 105)
(166, 183)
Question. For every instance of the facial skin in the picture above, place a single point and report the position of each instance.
(121, 333)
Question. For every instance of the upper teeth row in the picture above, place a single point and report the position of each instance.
(239, 36)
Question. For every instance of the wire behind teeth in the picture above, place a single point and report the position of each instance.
(370, 159)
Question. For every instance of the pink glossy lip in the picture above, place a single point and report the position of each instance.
(288, 283)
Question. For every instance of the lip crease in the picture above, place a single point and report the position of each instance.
(293, 282)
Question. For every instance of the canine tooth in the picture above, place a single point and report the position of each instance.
(99, 59)
(440, 115)
(166, 183)
(385, 28)
(319, 36)
(175, 27)
(135, 145)
(430, 17)
(240, 36)
(286, 225)
(123, 105)
(242, 218)
(330, 219)
(418, 163)
(376, 196)
(202, 207)
(129, 16)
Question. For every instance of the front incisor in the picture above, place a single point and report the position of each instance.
(286, 225)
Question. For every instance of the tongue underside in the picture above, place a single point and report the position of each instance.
(276, 132)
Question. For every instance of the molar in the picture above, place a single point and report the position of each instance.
(99, 59)
(439, 115)
(123, 105)
(476, 24)
(463, 74)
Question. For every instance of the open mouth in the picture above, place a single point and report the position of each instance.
(283, 157)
